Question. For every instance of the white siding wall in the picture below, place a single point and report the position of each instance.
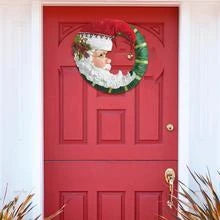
(205, 88)
(15, 95)
(199, 88)
(21, 102)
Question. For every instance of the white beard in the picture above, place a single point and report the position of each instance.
(103, 76)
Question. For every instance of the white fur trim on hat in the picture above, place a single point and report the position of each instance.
(99, 42)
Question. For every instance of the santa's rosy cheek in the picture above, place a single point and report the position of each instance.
(98, 62)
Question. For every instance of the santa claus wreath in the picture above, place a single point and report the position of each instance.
(90, 48)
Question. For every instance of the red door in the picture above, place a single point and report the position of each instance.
(105, 155)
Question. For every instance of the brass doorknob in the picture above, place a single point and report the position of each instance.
(170, 127)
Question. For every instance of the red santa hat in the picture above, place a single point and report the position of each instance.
(100, 34)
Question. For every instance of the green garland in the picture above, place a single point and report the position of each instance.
(140, 66)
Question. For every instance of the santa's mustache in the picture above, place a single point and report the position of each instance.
(107, 67)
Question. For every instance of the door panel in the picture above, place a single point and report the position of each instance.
(109, 152)
(112, 190)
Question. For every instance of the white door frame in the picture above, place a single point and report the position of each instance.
(183, 76)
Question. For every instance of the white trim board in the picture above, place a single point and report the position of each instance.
(164, 3)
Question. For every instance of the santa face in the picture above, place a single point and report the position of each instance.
(100, 59)
(96, 68)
